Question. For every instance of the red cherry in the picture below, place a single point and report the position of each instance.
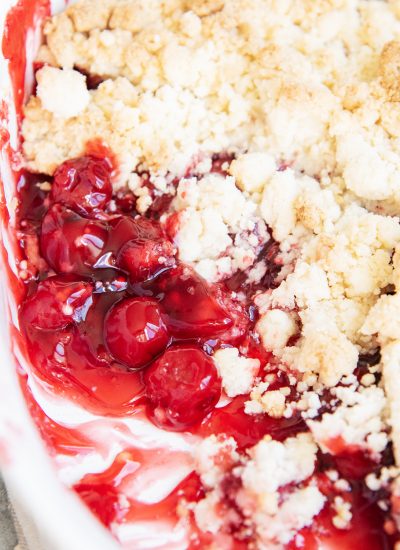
(83, 184)
(58, 301)
(71, 243)
(191, 309)
(143, 258)
(135, 332)
(182, 386)
(126, 228)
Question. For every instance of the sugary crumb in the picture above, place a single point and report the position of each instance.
(343, 515)
(357, 421)
(276, 327)
(62, 92)
(237, 372)
(271, 516)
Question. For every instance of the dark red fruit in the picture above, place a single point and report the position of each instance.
(126, 228)
(58, 301)
(83, 184)
(71, 243)
(143, 259)
(192, 311)
(183, 387)
(135, 332)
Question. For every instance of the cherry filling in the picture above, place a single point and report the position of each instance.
(58, 302)
(113, 320)
(70, 243)
(193, 311)
(183, 386)
(145, 258)
(135, 332)
(118, 300)
(83, 184)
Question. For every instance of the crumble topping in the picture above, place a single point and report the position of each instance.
(274, 464)
(272, 402)
(275, 328)
(218, 230)
(304, 97)
(272, 509)
(214, 457)
(195, 65)
(237, 372)
(343, 515)
(356, 421)
(51, 86)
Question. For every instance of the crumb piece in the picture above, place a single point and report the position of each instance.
(296, 512)
(207, 513)
(343, 516)
(276, 327)
(274, 464)
(271, 402)
(383, 320)
(218, 231)
(214, 456)
(323, 349)
(252, 171)
(44, 186)
(90, 14)
(309, 404)
(357, 421)
(368, 379)
(237, 372)
(389, 66)
(204, 7)
(51, 87)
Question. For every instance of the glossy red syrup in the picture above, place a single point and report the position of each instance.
(101, 492)
(59, 439)
(233, 421)
(125, 321)
(21, 20)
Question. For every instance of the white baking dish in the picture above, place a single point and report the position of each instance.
(55, 518)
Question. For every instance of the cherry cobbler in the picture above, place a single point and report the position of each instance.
(208, 215)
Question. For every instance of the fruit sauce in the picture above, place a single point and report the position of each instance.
(113, 321)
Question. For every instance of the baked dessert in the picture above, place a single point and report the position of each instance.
(210, 224)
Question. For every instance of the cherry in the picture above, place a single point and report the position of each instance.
(71, 243)
(83, 183)
(134, 331)
(143, 259)
(58, 301)
(182, 387)
(126, 228)
(191, 309)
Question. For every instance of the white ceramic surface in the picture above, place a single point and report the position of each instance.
(61, 520)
